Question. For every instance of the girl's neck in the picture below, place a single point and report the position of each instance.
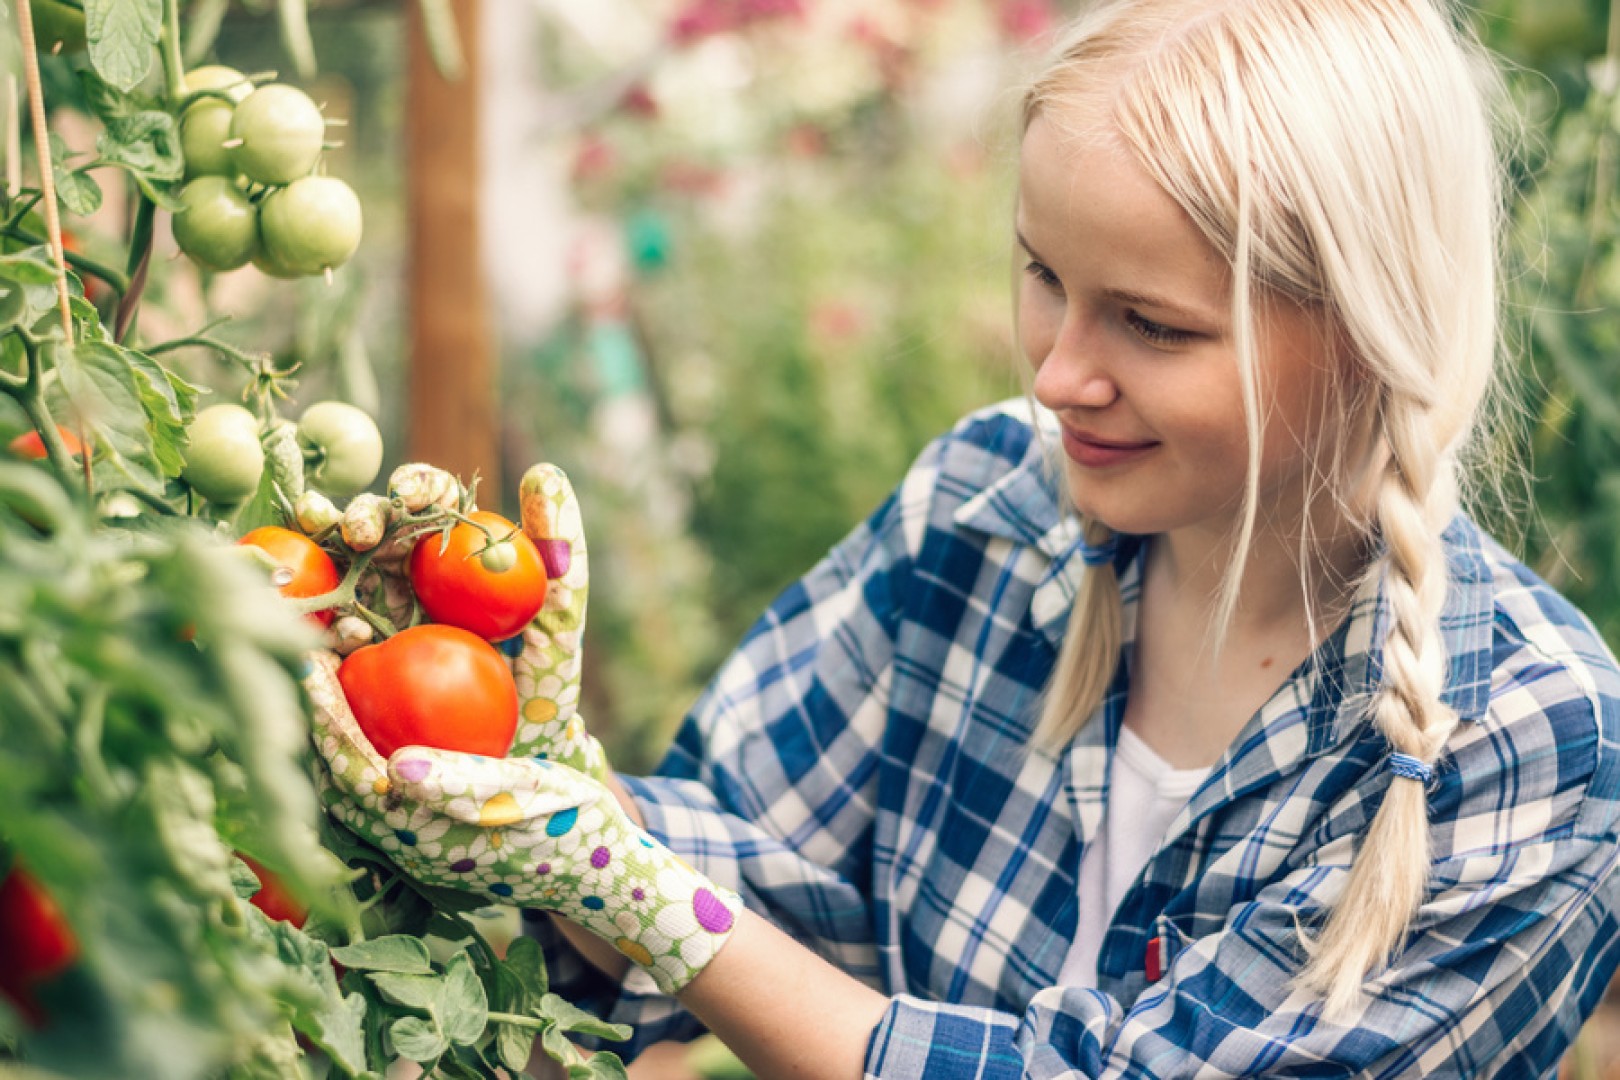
(1285, 585)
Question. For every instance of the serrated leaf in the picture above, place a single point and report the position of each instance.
(123, 37)
(571, 1018)
(107, 102)
(395, 953)
(417, 1039)
(339, 1029)
(121, 403)
(464, 1008)
(145, 143)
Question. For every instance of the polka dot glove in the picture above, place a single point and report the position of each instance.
(538, 828)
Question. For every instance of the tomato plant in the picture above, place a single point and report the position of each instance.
(151, 719)
(459, 587)
(35, 940)
(306, 570)
(432, 685)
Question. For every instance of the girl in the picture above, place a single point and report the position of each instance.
(1227, 747)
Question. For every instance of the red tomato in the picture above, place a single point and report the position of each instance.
(35, 940)
(30, 445)
(95, 290)
(432, 685)
(458, 588)
(313, 571)
(273, 898)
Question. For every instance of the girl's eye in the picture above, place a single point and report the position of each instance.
(1155, 333)
(1043, 274)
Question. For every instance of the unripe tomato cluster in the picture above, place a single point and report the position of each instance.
(339, 446)
(253, 194)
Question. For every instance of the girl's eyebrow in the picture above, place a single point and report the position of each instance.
(1139, 299)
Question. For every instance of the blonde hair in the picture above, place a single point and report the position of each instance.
(1339, 154)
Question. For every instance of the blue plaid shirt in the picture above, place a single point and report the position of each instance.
(860, 770)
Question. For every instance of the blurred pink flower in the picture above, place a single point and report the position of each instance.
(705, 18)
(1025, 20)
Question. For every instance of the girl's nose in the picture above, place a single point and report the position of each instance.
(1074, 376)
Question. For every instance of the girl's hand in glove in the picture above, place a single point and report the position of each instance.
(528, 831)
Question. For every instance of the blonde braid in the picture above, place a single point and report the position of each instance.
(1389, 876)
(1089, 653)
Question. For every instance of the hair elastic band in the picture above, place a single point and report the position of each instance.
(1411, 768)
(1099, 554)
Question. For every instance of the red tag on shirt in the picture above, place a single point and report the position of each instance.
(1154, 961)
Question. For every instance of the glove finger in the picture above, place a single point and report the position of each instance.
(548, 665)
(491, 792)
(354, 764)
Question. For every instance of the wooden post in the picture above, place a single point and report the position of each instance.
(452, 416)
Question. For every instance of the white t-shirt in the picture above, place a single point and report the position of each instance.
(1150, 793)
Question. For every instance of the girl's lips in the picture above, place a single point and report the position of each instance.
(1097, 453)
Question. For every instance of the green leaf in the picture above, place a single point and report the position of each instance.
(514, 1044)
(526, 960)
(418, 1039)
(119, 394)
(77, 193)
(395, 953)
(109, 103)
(416, 991)
(339, 1029)
(600, 1066)
(30, 266)
(571, 1018)
(146, 144)
(464, 1008)
(123, 37)
(243, 880)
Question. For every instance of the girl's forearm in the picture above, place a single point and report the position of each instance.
(784, 1011)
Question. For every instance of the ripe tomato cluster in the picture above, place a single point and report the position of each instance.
(477, 579)
(253, 193)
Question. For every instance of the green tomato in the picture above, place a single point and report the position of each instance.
(58, 27)
(219, 226)
(205, 126)
(311, 224)
(347, 448)
(225, 460)
(499, 557)
(282, 132)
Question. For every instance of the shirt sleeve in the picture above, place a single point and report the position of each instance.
(771, 783)
(1514, 945)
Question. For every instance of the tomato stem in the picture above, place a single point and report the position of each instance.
(174, 65)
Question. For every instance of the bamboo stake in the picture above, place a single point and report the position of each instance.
(42, 151)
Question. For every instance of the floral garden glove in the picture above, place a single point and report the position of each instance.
(537, 828)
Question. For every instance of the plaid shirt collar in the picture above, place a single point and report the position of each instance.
(1023, 506)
